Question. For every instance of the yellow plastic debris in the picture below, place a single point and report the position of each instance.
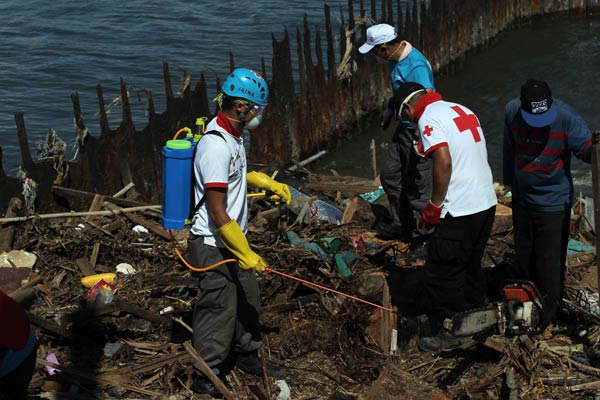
(90, 281)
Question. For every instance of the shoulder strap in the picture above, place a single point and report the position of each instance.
(203, 199)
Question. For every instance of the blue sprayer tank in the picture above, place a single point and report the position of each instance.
(177, 180)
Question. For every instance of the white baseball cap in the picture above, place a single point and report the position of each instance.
(378, 34)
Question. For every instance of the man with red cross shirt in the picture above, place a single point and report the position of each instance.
(462, 206)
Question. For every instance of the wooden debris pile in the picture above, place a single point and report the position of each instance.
(134, 342)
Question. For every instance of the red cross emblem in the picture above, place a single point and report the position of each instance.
(466, 122)
(427, 131)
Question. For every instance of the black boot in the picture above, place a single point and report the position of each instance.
(444, 341)
(392, 231)
(203, 385)
(250, 364)
(418, 249)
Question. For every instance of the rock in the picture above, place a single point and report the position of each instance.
(15, 267)
(17, 259)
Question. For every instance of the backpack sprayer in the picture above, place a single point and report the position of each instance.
(177, 167)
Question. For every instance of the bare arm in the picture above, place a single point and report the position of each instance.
(216, 200)
(442, 170)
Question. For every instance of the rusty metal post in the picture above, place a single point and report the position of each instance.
(596, 188)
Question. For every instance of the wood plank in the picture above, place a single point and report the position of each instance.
(7, 233)
(342, 187)
(95, 379)
(206, 370)
(85, 266)
(80, 194)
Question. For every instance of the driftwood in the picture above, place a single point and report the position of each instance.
(7, 233)
(151, 225)
(78, 375)
(80, 214)
(208, 372)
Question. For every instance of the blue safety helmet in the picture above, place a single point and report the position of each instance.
(247, 84)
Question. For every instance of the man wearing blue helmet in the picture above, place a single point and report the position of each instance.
(226, 312)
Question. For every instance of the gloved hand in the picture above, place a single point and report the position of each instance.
(431, 215)
(263, 181)
(235, 241)
(390, 112)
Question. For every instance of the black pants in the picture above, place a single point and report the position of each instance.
(541, 240)
(227, 308)
(13, 386)
(406, 178)
(454, 280)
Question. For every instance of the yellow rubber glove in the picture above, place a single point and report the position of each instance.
(263, 181)
(235, 241)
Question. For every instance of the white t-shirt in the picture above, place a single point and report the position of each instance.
(471, 187)
(220, 163)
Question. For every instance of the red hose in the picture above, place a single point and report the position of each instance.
(390, 310)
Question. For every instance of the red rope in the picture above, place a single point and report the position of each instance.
(390, 310)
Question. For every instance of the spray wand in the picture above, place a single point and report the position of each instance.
(229, 260)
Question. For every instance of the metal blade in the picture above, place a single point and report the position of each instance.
(471, 322)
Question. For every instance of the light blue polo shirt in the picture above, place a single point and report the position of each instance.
(413, 68)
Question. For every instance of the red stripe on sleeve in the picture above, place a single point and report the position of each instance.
(216, 185)
(435, 147)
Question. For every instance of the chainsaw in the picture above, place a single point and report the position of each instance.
(519, 313)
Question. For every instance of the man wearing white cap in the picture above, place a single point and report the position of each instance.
(408, 63)
(406, 176)
(540, 134)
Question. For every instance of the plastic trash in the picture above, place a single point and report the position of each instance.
(319, 209)
(575, 246)
(333, 244)
(125, 269)
(588, 301)
(52, 358)
(293, 237)
(139, 229)
(101, 293)
(284, 390)
(315, 248)
(92, 280)
(359, 243)
(110, 349)
(342, 263)
(373, 196)
(166, 310)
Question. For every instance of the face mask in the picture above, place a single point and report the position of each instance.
(381, 60)
(257, 119)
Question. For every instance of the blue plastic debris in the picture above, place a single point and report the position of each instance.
(373, 196)
(575, 246)
(342, 262)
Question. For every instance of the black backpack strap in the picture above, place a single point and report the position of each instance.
(203, 199)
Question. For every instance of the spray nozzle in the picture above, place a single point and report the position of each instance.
(201, 124)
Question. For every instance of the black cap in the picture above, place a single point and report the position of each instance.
(537, 104)
(406, 91)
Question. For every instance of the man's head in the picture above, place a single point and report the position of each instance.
(537, 107)
(382, 40)
(245, 92)
(407, 97)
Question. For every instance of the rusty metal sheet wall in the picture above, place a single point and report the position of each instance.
(309, 109)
